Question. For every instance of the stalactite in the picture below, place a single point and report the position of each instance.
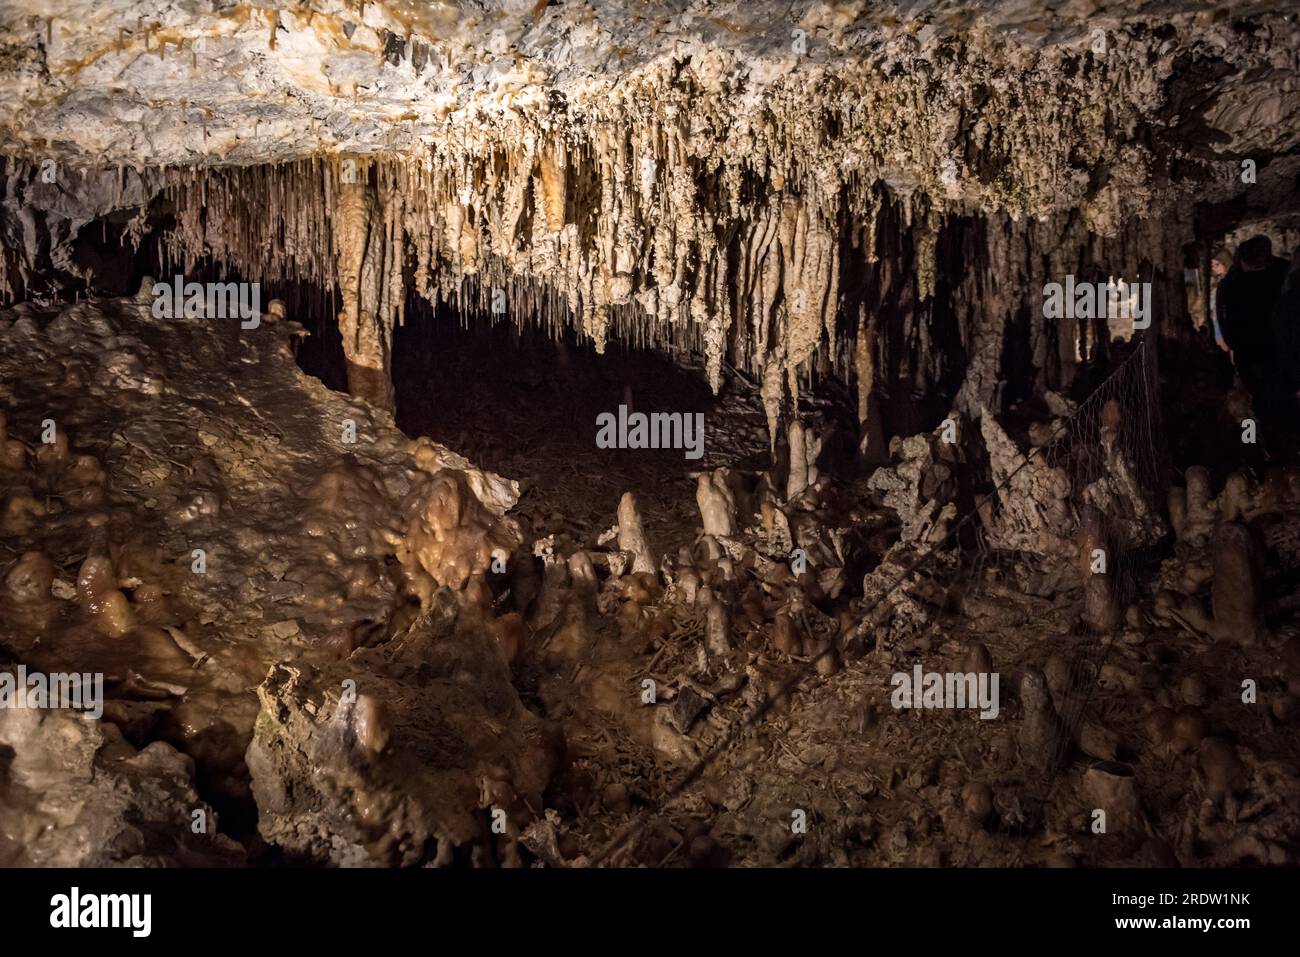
(363, 321)
(773, 393)
(927, 237)
(864, 363)
(658, 214)
(610, 239)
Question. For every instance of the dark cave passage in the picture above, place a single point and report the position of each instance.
(525, 405)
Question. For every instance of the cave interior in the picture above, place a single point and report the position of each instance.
(692, 433)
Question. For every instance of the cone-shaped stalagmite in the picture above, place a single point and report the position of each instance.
(1042, 737)
(1236, 584)
(1199, 512)
(717, 505)
(717, 631)
(804, 449)
(631, 535)
(1101, 611)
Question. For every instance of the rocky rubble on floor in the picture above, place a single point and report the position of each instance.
(187, 514)
(402, 754)
(76, 793)
(1105, 705)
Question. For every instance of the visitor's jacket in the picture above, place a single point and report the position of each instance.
(1246, 301)
(1286, 327)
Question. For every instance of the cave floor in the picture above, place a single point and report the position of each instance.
(172, 436)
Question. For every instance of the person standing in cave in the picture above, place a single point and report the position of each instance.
(1220, 264)
(1247, 297)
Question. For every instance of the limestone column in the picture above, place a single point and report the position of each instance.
(360, 255)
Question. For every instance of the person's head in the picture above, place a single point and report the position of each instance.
(1220, 262)
(1254, 253)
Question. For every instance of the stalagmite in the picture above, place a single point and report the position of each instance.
(717, 504)
(1236, 499)
(1112, 789)
(1236, 584)
(1101, 612)
(1119, 493)
(102, 601)
(581, 571)
(30, 578)
(450, 536)
(1042, 737)
(1201, 514)
(717, 629)
(1032, 495)
(797, 480)
(917, 486)
(631, 536)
